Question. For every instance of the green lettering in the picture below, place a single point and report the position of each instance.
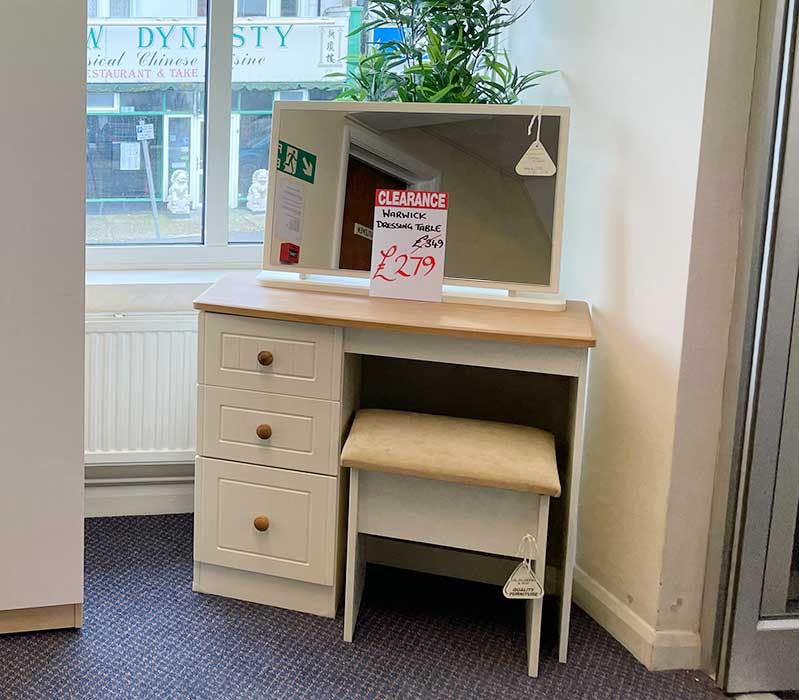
(283, 36)
(149, 43)
(93, 40)
(164, 37)
(186, 38)
(238, 37)
(258, 29)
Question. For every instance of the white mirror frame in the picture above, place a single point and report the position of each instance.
(356, 281)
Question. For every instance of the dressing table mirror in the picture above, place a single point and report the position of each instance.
(327, 159)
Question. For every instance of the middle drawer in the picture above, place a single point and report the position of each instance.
(270, 429)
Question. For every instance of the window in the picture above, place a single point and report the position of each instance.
(253, 8)
(289, 8)
(119, 8)
(102, 102)
(110, 8)
(153, 199)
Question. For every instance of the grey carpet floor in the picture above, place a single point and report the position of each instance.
(147, 635)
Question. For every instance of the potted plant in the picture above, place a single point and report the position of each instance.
(445, 51)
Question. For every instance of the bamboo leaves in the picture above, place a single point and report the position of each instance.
(445, 52)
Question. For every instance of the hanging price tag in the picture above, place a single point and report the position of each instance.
(408, 244)
(523, 583)
(536, 161)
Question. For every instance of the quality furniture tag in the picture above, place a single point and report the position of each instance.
(523, 583)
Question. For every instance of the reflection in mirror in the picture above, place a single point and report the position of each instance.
(501, 225)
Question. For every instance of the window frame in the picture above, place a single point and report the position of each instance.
(114, 109)
(215, 252)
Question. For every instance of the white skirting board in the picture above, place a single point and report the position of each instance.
(658, 650)
(152, 496)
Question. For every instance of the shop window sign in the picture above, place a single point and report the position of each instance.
(175, 53)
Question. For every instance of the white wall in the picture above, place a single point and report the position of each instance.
(640, 249)
(42, 139)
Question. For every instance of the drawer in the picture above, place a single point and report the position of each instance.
(305, 359)
(299, 541)
(295, 432)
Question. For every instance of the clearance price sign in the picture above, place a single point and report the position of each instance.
(410, 233)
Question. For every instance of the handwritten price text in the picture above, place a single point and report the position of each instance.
(402, 265)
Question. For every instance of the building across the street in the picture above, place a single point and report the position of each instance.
(146, 66)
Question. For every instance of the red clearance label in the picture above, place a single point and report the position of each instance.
(411, 199)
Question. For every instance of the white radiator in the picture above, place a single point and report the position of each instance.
(141, 396)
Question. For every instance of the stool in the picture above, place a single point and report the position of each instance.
(469, 484)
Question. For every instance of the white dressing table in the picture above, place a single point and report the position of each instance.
(281, 373)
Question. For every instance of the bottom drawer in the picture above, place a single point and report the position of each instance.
(297, 510)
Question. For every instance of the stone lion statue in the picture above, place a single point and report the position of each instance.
(256, 195)
(178, 200)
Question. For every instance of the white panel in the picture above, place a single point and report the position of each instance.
(475, 518)
(303, 434)
(306, 358)
(140, 387)
(43, 141)
(301, 509)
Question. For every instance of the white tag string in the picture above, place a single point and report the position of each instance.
(528, 549)
(536, 117)
(535, 161)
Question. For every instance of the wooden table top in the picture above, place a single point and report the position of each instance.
(240, 294)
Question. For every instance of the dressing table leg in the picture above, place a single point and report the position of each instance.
(572, 495)
(356, 563)
(533, 610)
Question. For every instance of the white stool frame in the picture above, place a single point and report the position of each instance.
(410, 508)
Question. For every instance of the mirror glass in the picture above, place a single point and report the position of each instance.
(501, 225)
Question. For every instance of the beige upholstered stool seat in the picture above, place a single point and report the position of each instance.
(477, 452)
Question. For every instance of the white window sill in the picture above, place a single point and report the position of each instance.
(104, 278)
(119, 291)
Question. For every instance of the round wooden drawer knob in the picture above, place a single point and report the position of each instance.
(264, 431)
(261, 523)
(265, 358)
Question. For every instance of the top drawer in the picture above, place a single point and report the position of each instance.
(305, 359)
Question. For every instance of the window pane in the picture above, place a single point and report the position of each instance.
(145, 101)
(288, 8)
(101, 101)
(145, 187)
(276, 62)
(119, 8)
(253, 8)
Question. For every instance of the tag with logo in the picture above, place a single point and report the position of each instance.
(523, 583)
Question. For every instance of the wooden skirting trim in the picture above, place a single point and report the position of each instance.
(51, 617)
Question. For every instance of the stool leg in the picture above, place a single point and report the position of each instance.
(533, 611)
(356, 563)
